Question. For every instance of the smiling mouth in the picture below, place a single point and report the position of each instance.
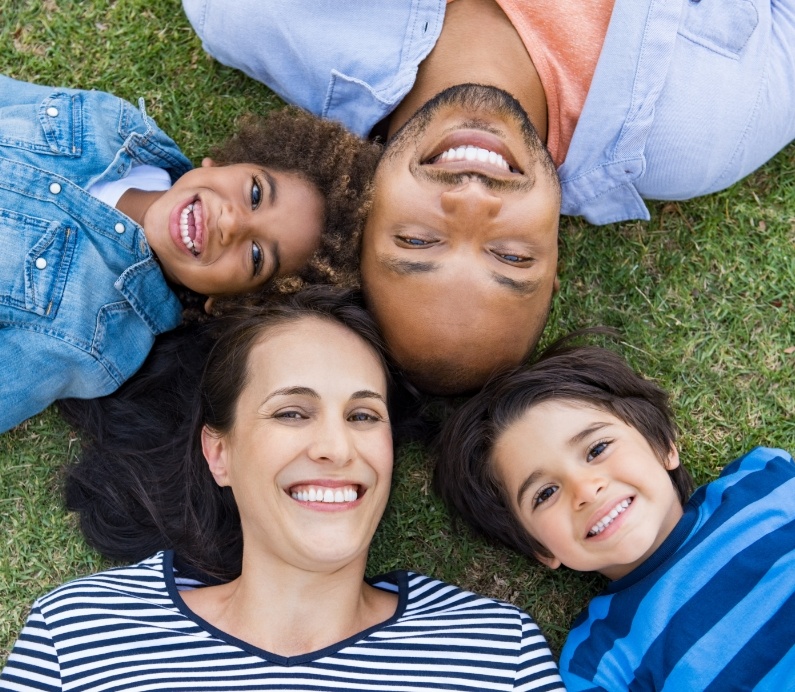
(610, 517)
(191, 227)
(470, 154)
(316, 493)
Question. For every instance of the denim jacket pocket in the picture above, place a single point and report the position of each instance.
(35, 262)
(722, 26)
(54, 126)
(121, 341)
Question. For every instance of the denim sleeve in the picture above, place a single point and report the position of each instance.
(40, 367)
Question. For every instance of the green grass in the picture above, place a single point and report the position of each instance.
(703, 295)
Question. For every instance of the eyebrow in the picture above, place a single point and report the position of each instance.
(308, 391)
(292, 391)
(532, 478)
(367, 394)
(406, 267)
(523, 287)
(271, 185)
(580, 436)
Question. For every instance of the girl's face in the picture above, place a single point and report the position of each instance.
(232, 229)
(309, 458)
(587, 486)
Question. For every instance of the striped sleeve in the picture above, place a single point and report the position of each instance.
(33, 662)
(536, 668)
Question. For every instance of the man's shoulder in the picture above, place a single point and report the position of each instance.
(351, 64)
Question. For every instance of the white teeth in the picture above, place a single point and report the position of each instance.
(183, 227)
(471, 153)
(329, 495)
(605, 521)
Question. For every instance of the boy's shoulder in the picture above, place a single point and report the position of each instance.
(725, 552)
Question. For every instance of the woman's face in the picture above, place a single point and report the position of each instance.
(309, 458)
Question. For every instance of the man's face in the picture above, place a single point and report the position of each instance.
(460, 250)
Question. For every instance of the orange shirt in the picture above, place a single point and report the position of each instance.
(564, 39)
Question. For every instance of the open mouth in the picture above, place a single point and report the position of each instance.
(191, 227)
(326, 495)
(610, 517)
(473, 151)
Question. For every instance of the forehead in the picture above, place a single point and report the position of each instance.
(553, 424)
(314, 352)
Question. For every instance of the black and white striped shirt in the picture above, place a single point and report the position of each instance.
(128, 629)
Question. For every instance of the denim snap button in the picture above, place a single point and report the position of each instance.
(41, 263)
(52, 111)
(55, 188)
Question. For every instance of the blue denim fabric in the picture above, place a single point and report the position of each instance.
(688, 96)
(81, 295)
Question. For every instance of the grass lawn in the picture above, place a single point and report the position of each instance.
(704, 296)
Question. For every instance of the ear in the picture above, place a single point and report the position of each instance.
(551, 562)
(208, 305)
(556, 285)
(207, 162)
(215, 452)
(672, 461)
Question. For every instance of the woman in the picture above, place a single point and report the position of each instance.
(285, 481)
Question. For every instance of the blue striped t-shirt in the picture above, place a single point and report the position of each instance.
(714, 607)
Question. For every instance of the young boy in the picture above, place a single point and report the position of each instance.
(101, 215)
(573, 461)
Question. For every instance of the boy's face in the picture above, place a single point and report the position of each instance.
(231, 229)
(587, 486)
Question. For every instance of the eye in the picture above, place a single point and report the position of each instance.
(256, 259)
(290, 415)
(412, 241)
(544, 494)
(597, 449)
(511, 258)
(256, 193)
(364, 417)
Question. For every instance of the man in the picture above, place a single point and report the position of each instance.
(633, 99)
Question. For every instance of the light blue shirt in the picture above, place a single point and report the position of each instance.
(81, 295)
(688, 96)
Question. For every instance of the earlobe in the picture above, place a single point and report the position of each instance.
(552, 562)
(207, 162)
(556, 285)
(672, 461)
(208, 305)
(214, 449)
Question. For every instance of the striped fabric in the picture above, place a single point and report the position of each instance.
(714, 607)
(127, 629)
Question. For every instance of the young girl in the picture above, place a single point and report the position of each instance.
(573, 461)
(278, 495)
(102, 217)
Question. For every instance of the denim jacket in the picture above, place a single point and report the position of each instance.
(81, 295)
(688, 96)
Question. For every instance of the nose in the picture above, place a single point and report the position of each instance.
(232, 224)
(331, 443)
(471, 200)
(587, 488)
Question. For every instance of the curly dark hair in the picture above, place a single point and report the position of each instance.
(337, 162)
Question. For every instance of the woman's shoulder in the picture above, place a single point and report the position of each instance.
(429, 597)
(143, 580)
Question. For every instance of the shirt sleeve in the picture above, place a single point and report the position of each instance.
(536, 670)
(33, 662)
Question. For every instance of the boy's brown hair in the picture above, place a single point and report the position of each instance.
(464, 474)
